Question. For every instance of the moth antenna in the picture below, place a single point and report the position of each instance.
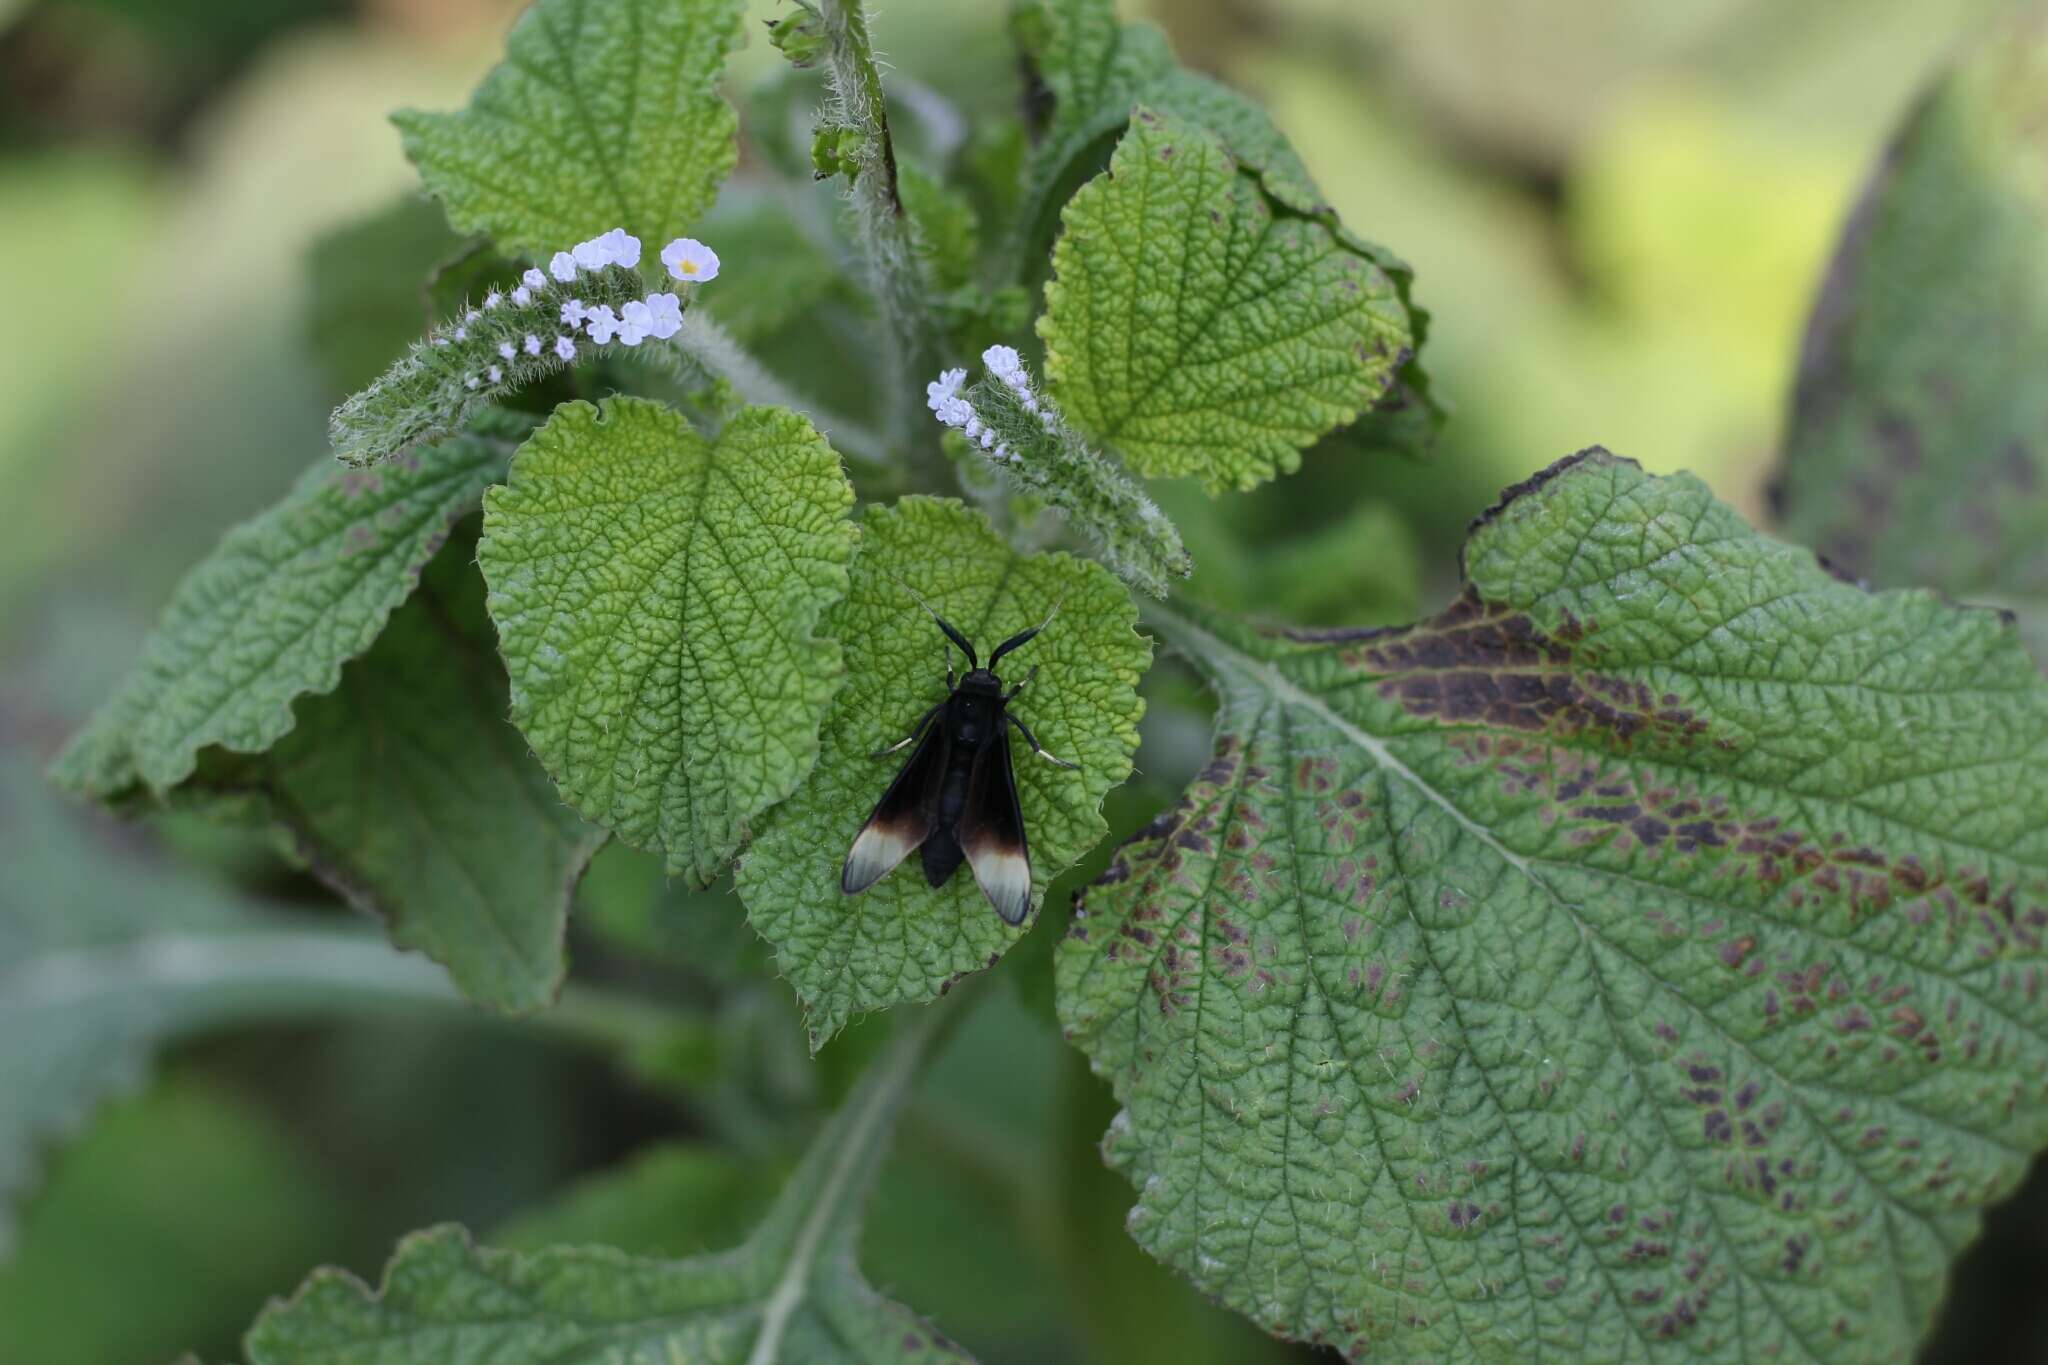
(1023, 636)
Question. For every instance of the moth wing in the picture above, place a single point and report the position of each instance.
(991, 831)
(902, 819)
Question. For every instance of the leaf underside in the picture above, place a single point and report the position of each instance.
(276, 610)
(1640, 960)
(407, 791)
(657, 597)
(1200, 328)
(600, 116)
(1918, 451)
(900, 941)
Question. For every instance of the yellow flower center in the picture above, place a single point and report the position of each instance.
(689, 267)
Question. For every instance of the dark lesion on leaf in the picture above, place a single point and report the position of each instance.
(1480, 663)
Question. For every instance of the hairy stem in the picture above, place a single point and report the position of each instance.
(888, 237)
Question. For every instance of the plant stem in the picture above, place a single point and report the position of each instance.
(888, 237)
(312, 972)
(817, 1216)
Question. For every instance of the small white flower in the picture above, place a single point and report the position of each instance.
(440, 341)
(573, 313)
(497, 375)
(532, 344)
(462, 334)
(690, 261)
(621, 247)
(955, 412)
(593, 254)
(470, 382)
(562, 266)
(666, 312)
(941, 390)
(493, 299)
(507, 349)
(471, 316)
(533, 279)
(972, 426)
(602, 323)
(988, 438)
(522, 295)
(1005, 364)
(565, 347)
(636, 320)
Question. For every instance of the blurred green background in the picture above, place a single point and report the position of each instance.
(1617, 211)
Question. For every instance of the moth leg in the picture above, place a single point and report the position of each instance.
(915, 731)
(1032, 740)
(1022, 685)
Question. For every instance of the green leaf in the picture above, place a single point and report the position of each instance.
(1918, 452)
(791, 1292)
(277, 609)
(406, 790)
(900, 941)
(657, 598)
(1640, 960)
(105, 953)
(1202, 330)
(1095, 70)
(600, 116)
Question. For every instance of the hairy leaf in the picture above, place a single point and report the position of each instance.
(277, 609)
(600, 116)
(791, 1292)
(657, 597)
(1094, 71)
(105, 952)
(1918, 453)
(1201, 329)
(408, 791)
(901, 941)
(1640, 960)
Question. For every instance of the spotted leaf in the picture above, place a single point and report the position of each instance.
(1918, 452)
(1640, 960)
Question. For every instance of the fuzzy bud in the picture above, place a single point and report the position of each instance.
(1020, 433)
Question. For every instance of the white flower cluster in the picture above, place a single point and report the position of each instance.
(942, 396)
(657, 315)
(1005, 364)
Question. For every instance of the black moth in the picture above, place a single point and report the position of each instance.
(957, 798)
